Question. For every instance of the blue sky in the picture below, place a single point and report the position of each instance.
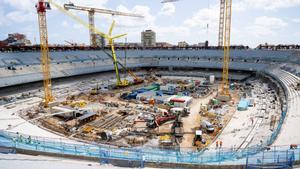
(253, 21)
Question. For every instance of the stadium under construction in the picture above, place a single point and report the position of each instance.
(148, 107)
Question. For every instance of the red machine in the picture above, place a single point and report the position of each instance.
(157, 121)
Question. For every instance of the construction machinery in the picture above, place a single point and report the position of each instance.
(198, 139)
(225, 95)
(109, 37)
(91, 14)
(136, 79)
(41, 7)
(157, 121)
(223, 40)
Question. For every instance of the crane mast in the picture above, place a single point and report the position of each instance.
(45, 58)
(225, 74)
(221, 23)
(92, 32)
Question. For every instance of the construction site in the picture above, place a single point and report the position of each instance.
(170, 107)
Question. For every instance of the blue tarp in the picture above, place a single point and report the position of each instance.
(243, 104)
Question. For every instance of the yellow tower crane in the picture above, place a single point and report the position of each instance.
(41, 7)
(223, 40)
(225, 95)
(91, 13)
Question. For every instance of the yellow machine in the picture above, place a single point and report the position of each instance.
(120, 83)
(79, 104)
(41, 7)
(225, 95)
(109, 37)
(223, 40)
(137, 80)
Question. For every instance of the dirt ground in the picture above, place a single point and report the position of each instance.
(193, 120)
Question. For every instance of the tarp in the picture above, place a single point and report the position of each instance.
(243, 104)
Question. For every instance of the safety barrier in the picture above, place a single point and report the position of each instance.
(271, 159)
(155, 155)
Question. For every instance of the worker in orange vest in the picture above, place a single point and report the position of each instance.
(221, 143)
(217, 144)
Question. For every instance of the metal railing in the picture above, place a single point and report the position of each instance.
(156, 155)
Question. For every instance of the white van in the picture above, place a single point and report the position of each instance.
(207, 126)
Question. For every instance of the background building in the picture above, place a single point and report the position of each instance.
(183, 44)
(203, 44)
(163, 45)
(17, 39)
(148, 38)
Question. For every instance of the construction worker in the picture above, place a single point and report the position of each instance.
(252, 120)
(217, 144)
(221, 143)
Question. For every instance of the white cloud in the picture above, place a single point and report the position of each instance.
(2, 17)
(270, 4)
(297, 34)
(270, 22)
(133, 22)
(88, 3)
(21, 16)
(296, 20)
(168, 9)
(203, 18)
(23, 5)
(166, 32)
(266, 26)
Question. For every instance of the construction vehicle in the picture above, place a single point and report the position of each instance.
(182, 111)
(136, 79)
(41, 7)
(207, 126)
(198, 139)
(109, 37)
(79, 104)
(203, 109)
(91, 13)
(166, 141)
(157, 121)
(177, 127)
(95, 91)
